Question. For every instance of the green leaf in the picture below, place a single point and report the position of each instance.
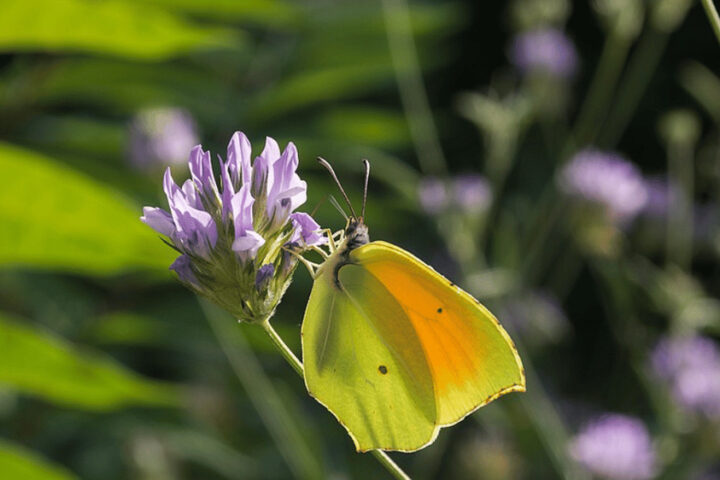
(111, 27)
(364, 125)
(56, 218)
(275, 13)
(18, 462)
(40, 363)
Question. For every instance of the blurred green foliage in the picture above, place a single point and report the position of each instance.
(109, 369)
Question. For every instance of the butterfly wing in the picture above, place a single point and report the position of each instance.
(367, 368)
(471, 358)
(395, 351)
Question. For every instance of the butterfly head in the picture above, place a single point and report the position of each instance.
(356, 232)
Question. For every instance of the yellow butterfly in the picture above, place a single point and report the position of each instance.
(394, 349)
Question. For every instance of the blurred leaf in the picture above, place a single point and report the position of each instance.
(77, 134)
(208, 451)
(275, 13)
(111, 27)
(704, 85)
(39, 363)
(125, 87)
(127, 328)
(54, 217)
(365, 125)
(357, 33)
(312, 86)
(17, 462)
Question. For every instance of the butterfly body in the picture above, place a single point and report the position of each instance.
(395, 350)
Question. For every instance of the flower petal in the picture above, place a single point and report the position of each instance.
(307, 231)
(159, 220)
(238, 159)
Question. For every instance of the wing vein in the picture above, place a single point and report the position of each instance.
(321, 356)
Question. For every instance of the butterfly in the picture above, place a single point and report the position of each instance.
(392, 348)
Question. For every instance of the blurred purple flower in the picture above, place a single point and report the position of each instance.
(433, 195)
(220, 229)
(544, 50)
(660, 195)
(471, 192)
(691, 367)
(616, 446)
(537, 316)
(161, 136)
(606, 179)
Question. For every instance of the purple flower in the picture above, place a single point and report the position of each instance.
(660, 195)
(182, 267)
(306, 230)
(691, 368)
(605, 179)
(433, 195)
(222, 229)
(545, 50)
(471, 192)
(161, 136)
(263, 276)
(616, 447)
(195, 230)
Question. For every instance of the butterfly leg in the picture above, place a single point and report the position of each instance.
(331, 239)
(311, 266)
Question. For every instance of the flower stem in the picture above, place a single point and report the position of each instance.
(712, 14)
(294, 362)
(297, 365)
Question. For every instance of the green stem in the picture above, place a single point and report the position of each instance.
(712, 17)
(641, 69)
(680, 212)
(294, 362)
(284, 429)
(603, 84)
(410, 85)
(297, 365)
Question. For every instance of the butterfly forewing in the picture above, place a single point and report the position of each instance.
(471, 357)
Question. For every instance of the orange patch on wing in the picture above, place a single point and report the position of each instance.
(448, 333)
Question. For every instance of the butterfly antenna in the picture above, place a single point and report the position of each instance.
(367, 178)
(327, 166)
(337, 206)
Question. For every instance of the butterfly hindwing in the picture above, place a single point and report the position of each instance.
(354, 368)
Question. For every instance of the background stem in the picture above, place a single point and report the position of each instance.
(713, 17)
(281, 424)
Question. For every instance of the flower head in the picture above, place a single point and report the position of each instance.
(161, 136)
(691, 367)
(661, 193)
(605, 179)
(544, 50)
(433, 195)
(234, 234)
(471, 193)
(616, 446)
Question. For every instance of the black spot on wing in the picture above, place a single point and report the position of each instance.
(382, 369)
(439, 310)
